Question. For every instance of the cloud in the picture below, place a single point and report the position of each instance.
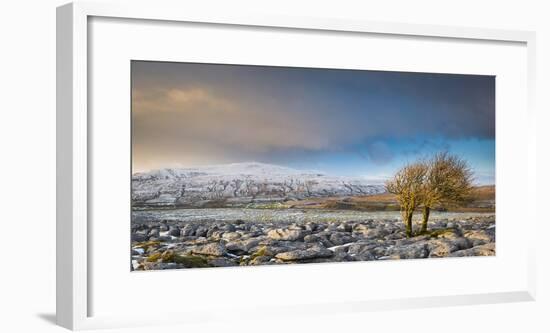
(203, 114)
(379, 152)
(196, 125)
(177, 100)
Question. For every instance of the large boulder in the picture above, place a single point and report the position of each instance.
(229, 236)
(188, 230)
(413, 251)
(444, 247)
(285, 234)
(481, 250)
(154, 232)
(174, 231)
(201, 231)
(339, 238)
(221, 262)
(259, 260)
(310, 253)
(139, 236)
(242, 245)
(480, 237)
(320, 237)
(362, 247)
(212, 249)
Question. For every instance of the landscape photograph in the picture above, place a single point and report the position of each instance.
(240, 165)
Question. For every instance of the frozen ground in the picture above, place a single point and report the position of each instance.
(277, 215)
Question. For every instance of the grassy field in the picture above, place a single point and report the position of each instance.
(482, 200)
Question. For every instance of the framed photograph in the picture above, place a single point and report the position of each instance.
(248, 163)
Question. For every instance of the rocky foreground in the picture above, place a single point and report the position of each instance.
(172, 244)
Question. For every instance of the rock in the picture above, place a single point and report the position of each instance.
(147, 266)
(339, 238)
(481, 236)
(331, 227)
(413, 251)
(444, 247)
(318, 238)
(412, 240)
(285, 234)
(229, 227)
(242, 245)
(345, 227)
(481, 250)
(380, 232)
(212, 249)
(221, 243)
(154, 232)
(221, 262)
(337, 257)
(361, 248)
(396, 235)
(231, 236)
(187, 231)
(139, 237)
(272, 250)
(446, 233)
(310, 253)
(366, 256)
(165, 238)
(259, 260)
(213, 231)
(453, 225)
(174, 231)
(167, 256)
(201, 231)
(314, 238)
(311, 227)
(215, 234)
(360, 230)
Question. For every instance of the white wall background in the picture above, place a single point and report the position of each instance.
(27, 166)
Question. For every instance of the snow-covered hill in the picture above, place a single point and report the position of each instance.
(239, 183)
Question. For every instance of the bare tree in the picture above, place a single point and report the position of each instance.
(448, 181)
(407, 185)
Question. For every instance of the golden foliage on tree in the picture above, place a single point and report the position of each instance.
(407, 187)
(448, 182)
(441, 181)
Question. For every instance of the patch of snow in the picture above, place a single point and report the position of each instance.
(258, 181)
(139, 250)
(334, 248)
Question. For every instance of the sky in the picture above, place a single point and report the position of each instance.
(342, 122)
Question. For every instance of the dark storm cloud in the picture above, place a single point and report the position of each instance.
(379, 152)
(196, 113)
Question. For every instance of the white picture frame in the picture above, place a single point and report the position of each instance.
(73, 237)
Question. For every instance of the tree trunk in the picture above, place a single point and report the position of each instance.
(425, 217)
(408, 225)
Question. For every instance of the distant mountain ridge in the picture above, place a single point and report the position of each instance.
(240, 183)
